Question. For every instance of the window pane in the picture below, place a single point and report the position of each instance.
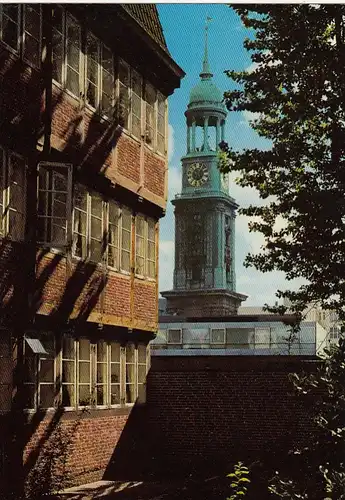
(47, 393)
(101, 373)
(101, 351)
(10, 30)
(126, 219)
(84, 372)
(125, 261)
(114, 394)
(91, 94)
(68, 371)
(68, 395)
(151, 269)
(68, 348)
(80, 197)
(123, 73)
(84, 395)
(80, 222)
(101, 395)
(141, 353)
(32, 50)
(140, 265)
(72, 81)
(123, 106)
(96, 250)
(84, 349)
(151, 250)
(140, 226)
(96, 228)
(79, 246)
(107, 60)
(130, 393)
(73, 44)
(141, 374)
(150, 95)
(115, 352)
(130, 351)
(46, 370)
(115, 373)
(126, 239)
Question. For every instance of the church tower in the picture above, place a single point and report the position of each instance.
(204, 275)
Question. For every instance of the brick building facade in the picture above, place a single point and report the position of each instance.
(83, 178)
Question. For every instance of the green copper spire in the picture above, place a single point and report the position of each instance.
(206, 72)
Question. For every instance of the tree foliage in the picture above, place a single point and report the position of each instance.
(297, 91)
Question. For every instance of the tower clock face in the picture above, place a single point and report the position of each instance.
(197, 174)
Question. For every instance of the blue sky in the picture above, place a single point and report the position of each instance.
(183, 26)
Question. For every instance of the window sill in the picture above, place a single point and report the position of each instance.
(96, 115)
(118, 271)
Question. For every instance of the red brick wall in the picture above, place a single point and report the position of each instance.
(145, 301)
(128, 158)
(118, 295)
(93, 437)
(154, 173)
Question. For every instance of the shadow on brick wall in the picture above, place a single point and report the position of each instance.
(27, 105)
(203, 415)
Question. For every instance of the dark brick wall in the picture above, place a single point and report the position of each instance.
(211, 409)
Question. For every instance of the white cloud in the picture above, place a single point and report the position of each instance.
(171, 142)
(166, 264)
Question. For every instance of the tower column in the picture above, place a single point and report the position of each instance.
(206, 145)
(193, 135)
(218, 134)
(188, 138)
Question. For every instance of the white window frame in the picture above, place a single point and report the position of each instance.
(91, 373)
(120, 383)
(75, 372)
(51, 167)
(11, 49)
(88, 226)
(71, 19)
(27, 60)
(159, 96)
(174, 330)
(217, 342)
(120, 211)
(131, 93)
(146, 240)
(153, 144)
(37, 383)
(63, 45)
(86, 80)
